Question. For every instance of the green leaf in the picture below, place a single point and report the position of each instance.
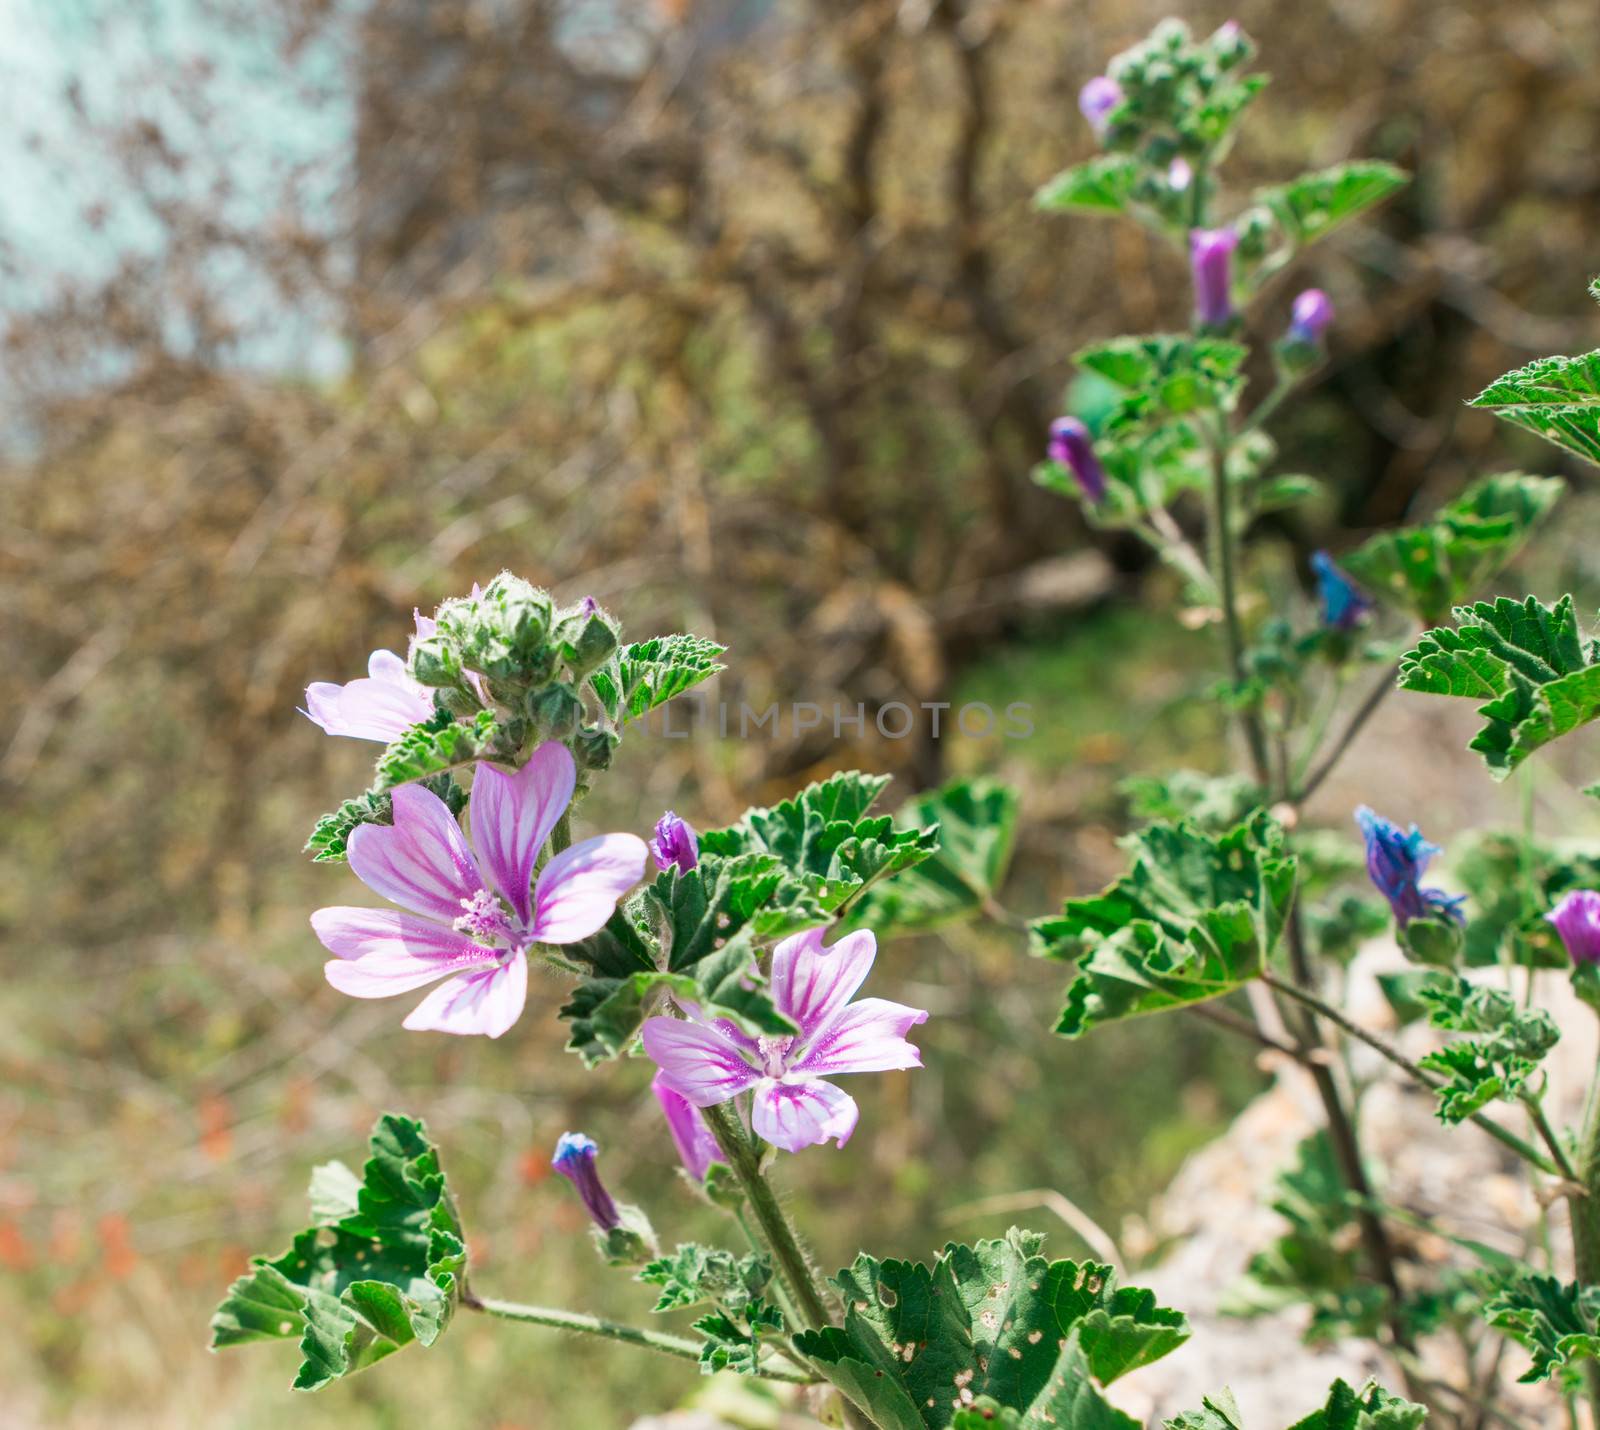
(329, 842)
(735, 1343)
(695, 1275)
(1480, 1070)
(1537, 677)
(649, 673)
(977, 824)
(991, 1325)
(1174, 374)
(1556, 1322)
(1104, 185)
(431, 749)
(1370, 1408)
(1195, 917)
(381, 1266)
(1217, 1412)
(829, 848)
(1214, 802)
(331, 837)
(1312, 206)
(692, 935)
(1558, 398)
(1433, 566)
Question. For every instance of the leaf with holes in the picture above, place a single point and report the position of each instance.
(1537, 677)
(380, 1268)
(1370, 1408)
(1432, 566)
(985, 1325)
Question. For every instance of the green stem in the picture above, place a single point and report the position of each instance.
(561, 835)
(679, 1346)
(745, 1161)
(1223, 560)
(1526, 1150)
(1586, 1231)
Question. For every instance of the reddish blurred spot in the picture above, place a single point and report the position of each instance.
(71, 1300)
(117, 1253)
(15, 1253)
(234, 1262)
(478, 1250)
(216, 1123)
(535, 1167)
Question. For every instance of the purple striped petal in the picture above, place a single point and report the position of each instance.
(797, 1115)
(512, 816)
(382, 952)
(869, 1036)
(579, 888)
(811, 983)
(696, 1062)
(383, 706)
(421, 861)
(697, 1148)
(486, 1001)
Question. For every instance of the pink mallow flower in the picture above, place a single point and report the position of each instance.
(472, 917)
(382, 706)
(697, 1148)
(793, 1107)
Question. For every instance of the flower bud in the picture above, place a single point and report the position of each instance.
(575, 1160)
(1073, 447)
(1396, 862)
(1577, 920)
(1097, 99)
(1312, 312)
(676, 845)
(1211, 264)
(1343, 602)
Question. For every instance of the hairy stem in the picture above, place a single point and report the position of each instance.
(561, 835)
(1586, 1231)
(679, 1346)
(745, 1161)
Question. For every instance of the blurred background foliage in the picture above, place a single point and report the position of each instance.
(734, 314)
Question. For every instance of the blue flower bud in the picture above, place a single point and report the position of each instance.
(1211, 264)
(1097, 99)
(1396, 862)
(1343, 602)
(575, 1160)
(1073, 447)
(676, 845)
(1312, 312)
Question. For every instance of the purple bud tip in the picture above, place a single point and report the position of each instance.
(676, 846)
(1396, 862)
(1228, 32)
(1312, 312)
(1073, 447)
(1577, 920)
(1211, 264)
(575, 1160)
(1343, 602)
(1097, 99)
(589, 606)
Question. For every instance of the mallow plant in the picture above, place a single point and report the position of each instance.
(740, 961)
